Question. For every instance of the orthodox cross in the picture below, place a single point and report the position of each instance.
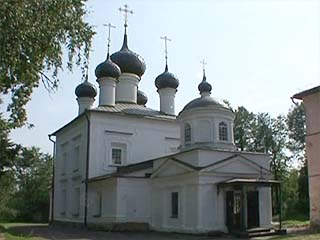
(125, 11)
(204, 63)
(109, 25)
(166, 39)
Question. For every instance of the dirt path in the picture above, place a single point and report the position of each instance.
(1, 235)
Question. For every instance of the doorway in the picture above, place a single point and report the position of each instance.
(233, 202)
(253, 219)
(236, 210)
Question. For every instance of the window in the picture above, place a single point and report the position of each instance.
(76, 156)
(187, 133)
(97, 205)
(174, 204)
(76, 202)
(223, 131)
(117, 156)
(64, 163)
(63, 202)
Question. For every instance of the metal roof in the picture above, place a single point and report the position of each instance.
(133, 109)
(206, 101)
(126, 109)
(307, 92)
(241, 181)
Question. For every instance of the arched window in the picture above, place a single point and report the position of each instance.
(187, 133)
(223, 131)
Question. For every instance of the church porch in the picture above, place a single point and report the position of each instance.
(248, 206)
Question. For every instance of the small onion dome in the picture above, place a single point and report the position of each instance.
(129, 61)
(107, 69)
(86, 89)
(142, 98)
(166, 80)
(204, 86)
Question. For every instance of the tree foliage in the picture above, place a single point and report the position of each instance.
(242, 128)
(283, 137)
(296, 122)
(25, 186)
(33, 35)
(262, 133)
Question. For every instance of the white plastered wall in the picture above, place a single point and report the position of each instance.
(68, 175)
(161, 137)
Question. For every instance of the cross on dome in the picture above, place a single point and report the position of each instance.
(204, 63)
(109, 25)
(166, 39)
(125, 11)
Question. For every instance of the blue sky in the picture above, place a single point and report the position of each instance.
(258, 53)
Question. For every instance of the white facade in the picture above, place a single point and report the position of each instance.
(139, 190)
(123, 166)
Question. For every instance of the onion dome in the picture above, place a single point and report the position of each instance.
(205, 100)
(142, 98)
(107, 69)
(86, 89)
(129, 61)
(166, 80)
(204, 86)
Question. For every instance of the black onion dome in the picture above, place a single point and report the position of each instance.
(166, 80)
(204, 86)
(206, 101)
(86, 89)
(129, 61)
(107, 69)
(142, 98)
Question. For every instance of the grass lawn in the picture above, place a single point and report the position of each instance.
(296, 222)
(305, 236)
(10, 235)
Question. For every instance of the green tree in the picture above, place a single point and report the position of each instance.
(262, 133)
(33, 177)
(33, 36)
(25, 187)
(243, 128)
(296, 123)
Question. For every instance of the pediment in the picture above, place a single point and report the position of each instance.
(171, 167)
(237, 165)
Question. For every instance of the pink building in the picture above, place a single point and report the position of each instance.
(311, 103)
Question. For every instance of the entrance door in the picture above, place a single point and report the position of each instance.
(233, 203)
(253, 209)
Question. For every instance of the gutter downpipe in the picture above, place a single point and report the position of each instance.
(87, 170)
(52, 180)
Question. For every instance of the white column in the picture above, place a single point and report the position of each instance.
(107, 94)
(84, 103)
(167, 96)
(127, 87)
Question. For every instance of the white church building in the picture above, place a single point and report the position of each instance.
(120, 164)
